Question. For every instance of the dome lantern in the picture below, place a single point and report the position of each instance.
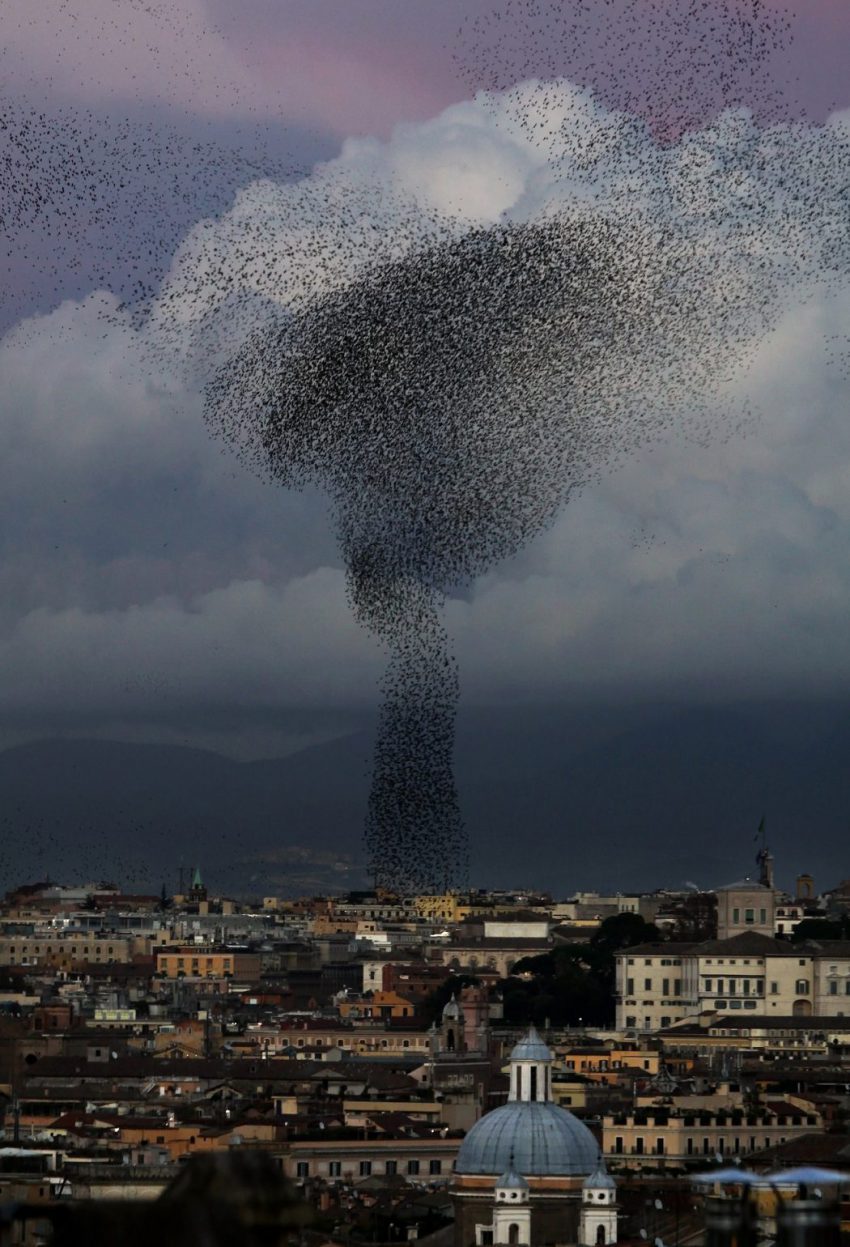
(531, 1070)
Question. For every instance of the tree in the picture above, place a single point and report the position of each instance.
(822, 929)
(624, 931)
(431, 1008)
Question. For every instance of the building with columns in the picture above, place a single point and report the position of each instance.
(528, 1156)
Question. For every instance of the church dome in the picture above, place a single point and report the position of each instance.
(512, 1181)
(531, 1048)
(600, 1179)
(533, 1137)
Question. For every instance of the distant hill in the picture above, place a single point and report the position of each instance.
(562, 799)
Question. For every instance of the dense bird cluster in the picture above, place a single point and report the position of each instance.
(450, 386)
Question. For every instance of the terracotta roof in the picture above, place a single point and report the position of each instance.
(832, 1150)
(783, 1022)
(744, 885)
(749, 942)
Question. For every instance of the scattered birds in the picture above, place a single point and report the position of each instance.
(450, 387)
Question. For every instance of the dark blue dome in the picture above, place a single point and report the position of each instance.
(533, 1138)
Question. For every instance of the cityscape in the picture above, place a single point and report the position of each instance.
(413, 1063)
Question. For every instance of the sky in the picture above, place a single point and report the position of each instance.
(151, 588)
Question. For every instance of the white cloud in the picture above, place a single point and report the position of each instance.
(720, 566)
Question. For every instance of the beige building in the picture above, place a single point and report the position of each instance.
(675, 1135)
(353, 1159)
(63, 949)
(659, 985)
(743, 907)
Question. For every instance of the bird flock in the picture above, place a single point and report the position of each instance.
(448, 384)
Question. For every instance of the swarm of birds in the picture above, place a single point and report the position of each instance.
(672, 65)
(451, 386)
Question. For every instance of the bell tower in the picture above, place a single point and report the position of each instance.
(512, 1213)
(451, 1036)
(598, 1220)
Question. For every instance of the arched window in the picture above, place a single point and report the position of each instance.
(513, 1233)
(450, 1039)
(600, 1236)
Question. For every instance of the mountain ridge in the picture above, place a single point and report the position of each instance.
(620, 801)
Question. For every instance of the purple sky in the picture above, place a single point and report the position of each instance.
(342, 67)
(126, 532)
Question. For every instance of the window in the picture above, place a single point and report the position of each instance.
(736, 915)
(774, 989)
(833, 988)
(647, 985)
(413, 1167)
(391, 1167)
(659, 1147)
(631, 1020)
(630, 987)
(665, 1022)
(618, 1145)
(335, 1169)
(802, 987)
(302, 1169)
(763, 916)
(435, 1166)
(639, 1145)
(749, 915)
(365, 1168)
(665, 987)
(708, 985)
